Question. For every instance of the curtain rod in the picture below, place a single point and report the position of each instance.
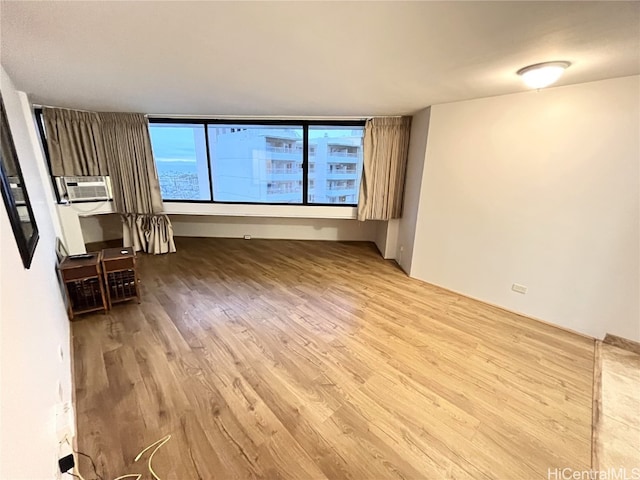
(238, 117)
(37, 105)
(259, 117)
(234, 117)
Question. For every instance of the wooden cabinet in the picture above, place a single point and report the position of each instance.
(97, 280)
(120, 277)
(82, 279)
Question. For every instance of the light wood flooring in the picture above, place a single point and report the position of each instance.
(617, 416)
(313, 360)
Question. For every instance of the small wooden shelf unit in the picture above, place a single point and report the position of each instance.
(97, 282)
(120, 277)
(82, 279)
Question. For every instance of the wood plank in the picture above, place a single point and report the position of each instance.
(303, 359)
(616, 428)
(597, 404)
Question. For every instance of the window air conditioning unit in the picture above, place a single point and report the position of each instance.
(87, 188)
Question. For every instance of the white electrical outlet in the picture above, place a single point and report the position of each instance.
(516, 287)
(247, 237)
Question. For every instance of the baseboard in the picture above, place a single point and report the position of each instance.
(623, 343)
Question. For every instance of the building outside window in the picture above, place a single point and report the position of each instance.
(181, 160)
(257, 163)
(337, 166)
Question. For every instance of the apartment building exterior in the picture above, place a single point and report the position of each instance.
(265, 165)
(335, 169)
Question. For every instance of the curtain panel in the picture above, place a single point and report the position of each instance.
(136, 190)
(386, 146)
(75, 143)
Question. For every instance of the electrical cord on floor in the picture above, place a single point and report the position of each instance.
(76, 476)
(157, 444)
(70, 461)
(93, 465)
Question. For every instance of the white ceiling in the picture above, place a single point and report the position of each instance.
(303, 58)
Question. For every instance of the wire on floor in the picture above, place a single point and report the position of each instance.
(75, 475)
(93, 464)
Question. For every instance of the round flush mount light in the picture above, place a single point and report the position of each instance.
(544, 74)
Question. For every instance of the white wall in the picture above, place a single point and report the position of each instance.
(33, 322)
(412, 189)
(283, 228)
(92, 222)
(392, 239)
(382, 231)
(99, 228)
(387, 237)
(538, 188)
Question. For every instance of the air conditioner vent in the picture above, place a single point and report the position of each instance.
(87, 188)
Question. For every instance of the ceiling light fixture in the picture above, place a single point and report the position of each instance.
(544, 74)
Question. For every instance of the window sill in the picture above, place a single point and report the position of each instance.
(276, 211)
(230, 210)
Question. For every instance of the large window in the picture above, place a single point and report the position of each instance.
(335, 164)
(274, 163)
(181, 160)
(256, 163)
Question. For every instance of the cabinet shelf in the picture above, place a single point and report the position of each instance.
(82, 279)
(100, 279)
(120, 277)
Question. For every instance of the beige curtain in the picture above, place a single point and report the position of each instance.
(75, 142)
(136, 190)
(386, 145)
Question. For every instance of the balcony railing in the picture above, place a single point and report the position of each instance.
(338, 153)
(278, 191)
(290, 150)
(282, 171)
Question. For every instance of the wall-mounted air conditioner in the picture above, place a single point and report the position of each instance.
(87, 188)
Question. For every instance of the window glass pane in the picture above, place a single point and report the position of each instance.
(335, 164)
(256, 163)
(180, 152)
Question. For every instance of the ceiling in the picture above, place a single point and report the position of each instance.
(303, 58)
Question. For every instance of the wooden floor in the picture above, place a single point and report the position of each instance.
(617, 423)
(305, 360)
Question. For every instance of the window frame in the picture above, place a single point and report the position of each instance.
(293, 123)
(206, 140)
(299, 123)
(45, 148)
